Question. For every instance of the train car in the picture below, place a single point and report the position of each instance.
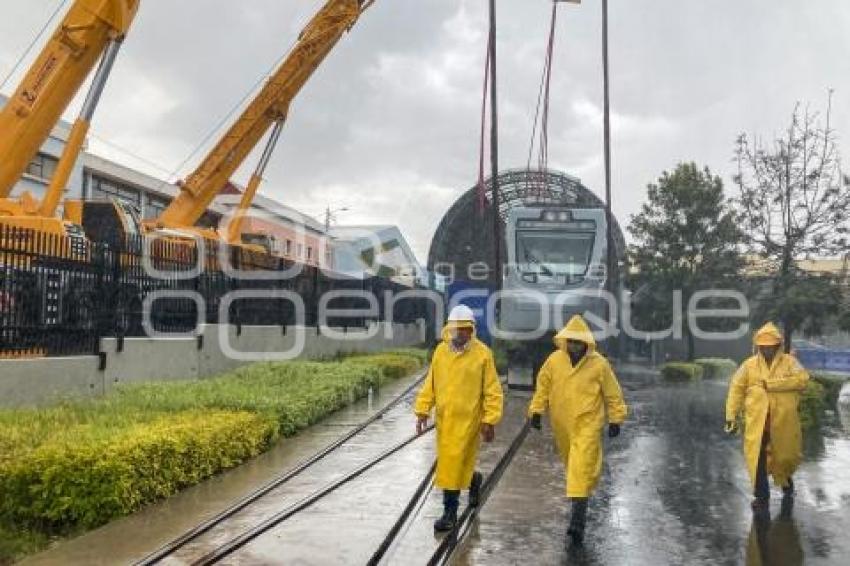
(555, 269)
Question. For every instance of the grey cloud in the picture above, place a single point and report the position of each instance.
(388, 126)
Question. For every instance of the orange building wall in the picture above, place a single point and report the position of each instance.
(282, 233)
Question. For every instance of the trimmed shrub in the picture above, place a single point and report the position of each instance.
(15, 544)
(393, 365)
(832, 385)
(84, 477)
(717, 368)
(681, 371)
(77, 465)
(500, 357)
(812, 404)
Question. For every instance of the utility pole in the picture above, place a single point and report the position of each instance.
(494, 151)
(330, 215)
(611, 259)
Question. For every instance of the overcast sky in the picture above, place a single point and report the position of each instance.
(388, 126)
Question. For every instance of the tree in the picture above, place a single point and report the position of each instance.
(795, 204)
(686, 238)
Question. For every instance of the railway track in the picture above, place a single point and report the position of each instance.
(213, 541)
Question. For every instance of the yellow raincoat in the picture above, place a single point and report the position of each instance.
(466, 391)
(578, 398)
(775, 391)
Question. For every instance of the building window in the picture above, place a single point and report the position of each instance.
(42, 167)
(309, 253)
(300, 251)
(107, 188)
(154, 207)
(288, 250)
(209, 220)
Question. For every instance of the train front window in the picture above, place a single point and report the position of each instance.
(559, 256)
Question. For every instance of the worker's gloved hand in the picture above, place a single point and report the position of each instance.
(488, 432)
(421, 423)
(536, 421)
(613, 430)
(731, 427)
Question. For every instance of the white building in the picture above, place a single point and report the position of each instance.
(102, 178)
(377, 250)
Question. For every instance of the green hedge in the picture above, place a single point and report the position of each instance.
(392, 365)
(832, 385)
(717, 368)
(681, 371)
(84, 478)
(820, 394)
(812, 404)
(296, 394)
(78, 465)
(500, 357)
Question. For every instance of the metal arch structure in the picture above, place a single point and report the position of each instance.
(463, 241)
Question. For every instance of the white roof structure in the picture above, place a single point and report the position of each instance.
(377, 250)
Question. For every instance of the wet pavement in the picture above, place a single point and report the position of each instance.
(674, 491)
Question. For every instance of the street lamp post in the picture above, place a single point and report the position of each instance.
(329, 215)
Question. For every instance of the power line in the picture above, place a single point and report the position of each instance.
(131, 153)
(35, 40)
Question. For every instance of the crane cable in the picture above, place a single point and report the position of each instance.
(35, 40)
(482, 198)
(543, 97)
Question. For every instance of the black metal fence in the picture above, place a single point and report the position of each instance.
(59, 295)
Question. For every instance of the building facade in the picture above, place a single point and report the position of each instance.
(377, 250)
(292, 234)
(40, 170)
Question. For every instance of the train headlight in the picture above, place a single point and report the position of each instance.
(550, 216)
(564, 216)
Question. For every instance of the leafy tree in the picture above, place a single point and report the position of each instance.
(795, 204)
(686, 238)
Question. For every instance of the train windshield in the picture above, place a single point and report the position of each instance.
(560, 256)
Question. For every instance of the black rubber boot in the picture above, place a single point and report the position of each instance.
(761, 505)
(449, 519)
(761, 493)
(475, 489)
(788, 490)
(578, 521)
(447, 522)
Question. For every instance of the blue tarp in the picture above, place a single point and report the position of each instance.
(478, 304)
(824, 359)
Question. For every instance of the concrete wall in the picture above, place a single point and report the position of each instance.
(219, 349)
(29, 382)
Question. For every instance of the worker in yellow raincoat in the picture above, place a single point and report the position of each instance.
(577, 386)
(767, 387)
(463, 385)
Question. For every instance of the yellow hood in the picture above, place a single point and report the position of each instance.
(576, 329)
(447, 329)
(768, 335)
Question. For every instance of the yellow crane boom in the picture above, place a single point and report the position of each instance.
(92, 30)
(269, 107)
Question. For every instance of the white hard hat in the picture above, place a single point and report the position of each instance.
(462, 313)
